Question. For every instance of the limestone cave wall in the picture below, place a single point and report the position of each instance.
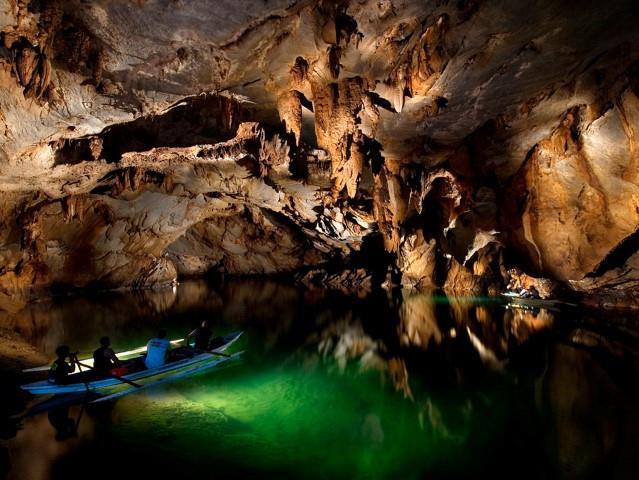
(456, 144)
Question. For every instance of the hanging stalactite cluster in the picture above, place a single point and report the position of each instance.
(473, 148)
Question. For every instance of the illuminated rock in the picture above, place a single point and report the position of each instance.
(138, 142)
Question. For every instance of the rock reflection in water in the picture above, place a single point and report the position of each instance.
(77, 319)
(566, 383)
(36, 450)
(418, 321)
(468, 371)
(438, 327)
(591, 418)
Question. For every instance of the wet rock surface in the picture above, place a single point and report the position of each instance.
(141, 142)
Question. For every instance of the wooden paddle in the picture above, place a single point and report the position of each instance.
(117, 377)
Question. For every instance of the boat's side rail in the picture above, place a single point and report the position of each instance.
(175, 376)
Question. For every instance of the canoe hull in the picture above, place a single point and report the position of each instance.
(197, 368)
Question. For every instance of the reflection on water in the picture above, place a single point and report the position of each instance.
(395, 385)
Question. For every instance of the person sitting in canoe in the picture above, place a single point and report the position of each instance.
(104, 358)
(60, 369)
(202, 336)
(157, 350)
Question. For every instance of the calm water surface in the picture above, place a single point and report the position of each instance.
(334, 386)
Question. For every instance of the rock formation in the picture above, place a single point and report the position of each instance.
(144, 141)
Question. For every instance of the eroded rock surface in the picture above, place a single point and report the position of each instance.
(142, 141)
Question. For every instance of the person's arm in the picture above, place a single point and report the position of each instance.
(72, 364)
(188, 338)
(114, 358)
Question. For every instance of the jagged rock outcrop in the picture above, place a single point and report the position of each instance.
(348, 281)
(518, 280)
(416, 260)
(140, 141)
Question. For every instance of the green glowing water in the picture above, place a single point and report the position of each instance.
(296, 419)
(346, 388)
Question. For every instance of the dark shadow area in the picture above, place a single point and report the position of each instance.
(618, 255)
(196, 120)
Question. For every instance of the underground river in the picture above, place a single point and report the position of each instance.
(332, 385)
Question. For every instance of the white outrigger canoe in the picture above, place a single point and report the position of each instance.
(185, 362)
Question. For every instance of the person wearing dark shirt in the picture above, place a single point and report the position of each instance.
(202, 335)
(104, 358)
(60, 369)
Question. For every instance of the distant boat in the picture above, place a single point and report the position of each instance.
(517, 300)
(184, 362)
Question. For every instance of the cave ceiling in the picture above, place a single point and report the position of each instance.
(478, 139)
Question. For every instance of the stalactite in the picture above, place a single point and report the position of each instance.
(289, 106)
(459, 131)
(299, 71)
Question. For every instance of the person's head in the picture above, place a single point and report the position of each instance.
(105, 341)
(62, 351)
(204, 324)
(162, 333)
